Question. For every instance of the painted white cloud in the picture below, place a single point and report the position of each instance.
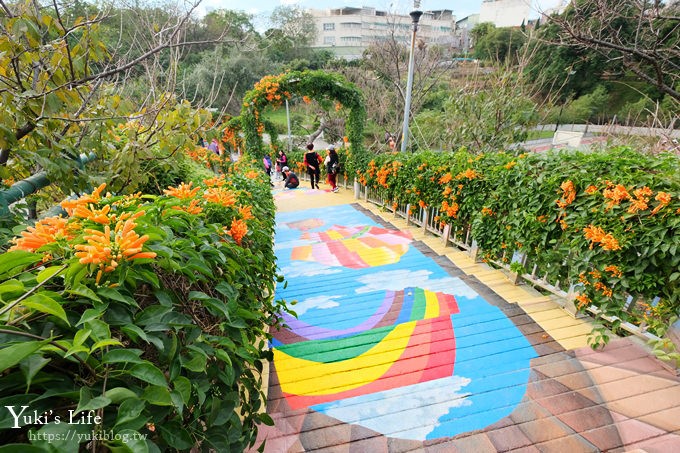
(307, 269)
(318, 302)
(400, 279)
(409, 412)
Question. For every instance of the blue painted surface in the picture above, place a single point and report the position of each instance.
(491, 364)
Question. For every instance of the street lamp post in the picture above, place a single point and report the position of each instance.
(415, 16)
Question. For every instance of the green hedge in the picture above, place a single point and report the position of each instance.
(607, 220)
(149, 313)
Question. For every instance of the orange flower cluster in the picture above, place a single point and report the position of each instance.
(664, 199)
(245, 212)
(383, 173)
(510, 164)
(639, 203)
(568, 194)
(469, 174)
(597, 235)
(616, 194)
(232, 138)
(614, 271)
(89, 212)
(45, 231)
(106, 249)
(445, 178)
(306, 99)
(184, 191)
(487, 211)
(238, 230)
(217, 181)
(71, 205)
(269, 87)
(583, 300)
(252, 174)
(604, 289)
(591, 189)
(338, 106)
(220, 195)
(450, 209)
(422, 204)
(193, 207)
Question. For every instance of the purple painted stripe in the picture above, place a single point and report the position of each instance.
(319, 333)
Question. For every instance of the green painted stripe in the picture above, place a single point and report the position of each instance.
(418, 311)
(336, 350)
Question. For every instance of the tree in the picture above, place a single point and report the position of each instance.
(484, 115)
(498, 44)
(63, 88)
(292, 33)
(638, 36)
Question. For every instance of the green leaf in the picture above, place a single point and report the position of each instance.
(30, 367)
(92, 313)
(157, 395)
(48, 273)
(147, 372)
(84, 291)
(12, 262)
(114, 294)
(93, 404)
(23, 448)
(119, 394)
(104, 343)
(11, 355)
(134, 442)
(12, 286)
(175, 435)
(197, 363)
(183, 386)
(45, 304)
(123, 355)
(129, 410)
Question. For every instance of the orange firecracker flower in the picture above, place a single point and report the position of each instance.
(245, 212)
(183, 191)
(95, 197)
(252, 174)
(45, 231)
(591, 189)
(613, 270)
(193, 207)
(487, 211)
(107, 249)
(597, 235)
(664, 199)
(469, 174)
(583, 300)
(568, 194)
(90, 213)
(238, 230)
(220, 195)
(445, 178)
(616, 194)
(217, 181)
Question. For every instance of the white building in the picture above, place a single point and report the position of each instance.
(348, 31)
(505, 13)
(463, 38)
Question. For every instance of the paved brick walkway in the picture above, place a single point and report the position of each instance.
(403, 345)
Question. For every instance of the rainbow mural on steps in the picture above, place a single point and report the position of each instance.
(384, 337)
(411, 342)
(353, 247)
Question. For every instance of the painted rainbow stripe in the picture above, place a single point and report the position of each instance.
(412, 342)
(354, 247)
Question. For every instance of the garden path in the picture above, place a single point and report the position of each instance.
(404, 345)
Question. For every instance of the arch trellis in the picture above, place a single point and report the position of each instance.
(319, 85)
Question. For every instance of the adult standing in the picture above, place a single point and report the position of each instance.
(281, 161)
(332, 164)
(214, 146)
(312, 161)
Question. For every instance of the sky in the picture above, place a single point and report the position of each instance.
(461, 8)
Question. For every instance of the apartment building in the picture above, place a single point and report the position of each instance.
(505, 13)
(348, 31)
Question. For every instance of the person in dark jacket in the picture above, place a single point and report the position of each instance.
(291, 181)
(312, 162)
(332, 165)
(281, 161)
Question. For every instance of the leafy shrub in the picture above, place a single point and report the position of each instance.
(145, 317)
(605, 221)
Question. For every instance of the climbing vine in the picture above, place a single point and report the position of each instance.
(330, 90)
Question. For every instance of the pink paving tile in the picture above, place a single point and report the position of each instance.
(663, 444)
(509, 438)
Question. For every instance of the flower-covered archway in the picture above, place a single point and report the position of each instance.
(318, 85)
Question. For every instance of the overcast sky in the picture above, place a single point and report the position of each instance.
(460, 8)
